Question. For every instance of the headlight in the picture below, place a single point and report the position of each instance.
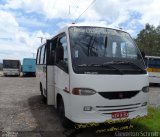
(83, 91)
(145, 89)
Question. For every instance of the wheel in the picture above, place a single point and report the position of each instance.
(23, 75)
(66, 123)
(34, 74)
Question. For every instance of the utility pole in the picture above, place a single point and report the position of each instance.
(33, 54)
(41, 38)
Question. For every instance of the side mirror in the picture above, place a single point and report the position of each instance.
(143, 54)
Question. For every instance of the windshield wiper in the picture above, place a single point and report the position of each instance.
(82, 65)
(110, 66)
(133, 64)
(123, 63)
(88, 65)
(101, 65)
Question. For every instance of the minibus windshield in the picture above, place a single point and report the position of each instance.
(103, 50)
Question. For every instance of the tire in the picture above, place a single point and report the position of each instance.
(66, 123)
(34, 74)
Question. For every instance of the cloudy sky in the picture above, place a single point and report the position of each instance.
(23, 21)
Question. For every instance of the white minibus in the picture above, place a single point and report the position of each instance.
(93, 74)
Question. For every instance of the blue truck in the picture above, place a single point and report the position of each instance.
(29, 66)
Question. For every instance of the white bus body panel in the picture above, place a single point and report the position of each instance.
(11, 72)
(107, 83)
(49, 90)
(61, 83)
(41, 76)
(51, 85)
(57, 80)
(154, 77)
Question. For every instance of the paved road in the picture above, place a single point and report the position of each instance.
(154, 99)
(23, 113)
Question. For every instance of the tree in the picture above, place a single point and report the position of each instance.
(148, 40)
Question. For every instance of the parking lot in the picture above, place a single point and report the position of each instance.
(23, 112)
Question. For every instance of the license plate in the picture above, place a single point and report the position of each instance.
(123, 114)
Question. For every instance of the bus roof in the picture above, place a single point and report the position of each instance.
(87, 25)
(12, 59)
(29, 59)
(64, 29)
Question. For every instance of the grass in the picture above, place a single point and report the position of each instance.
(141, 127)
(151, 123)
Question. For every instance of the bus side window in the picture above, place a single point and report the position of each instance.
(42, 55)
(38, 56)
(62, 53)
(44, 61)
(50, 51)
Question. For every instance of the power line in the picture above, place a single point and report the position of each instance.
(84, 11)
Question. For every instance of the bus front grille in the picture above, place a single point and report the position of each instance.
(119, 94)
(111, 109)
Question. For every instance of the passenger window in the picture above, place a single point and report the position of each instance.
(44, 62)
(62, 53)
(51, 51)
(38, 54)
(42, 55)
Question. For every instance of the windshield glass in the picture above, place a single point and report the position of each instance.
(94, 46)
(11, 64)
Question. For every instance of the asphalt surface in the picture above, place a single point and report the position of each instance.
(154, 98)
(23, 112)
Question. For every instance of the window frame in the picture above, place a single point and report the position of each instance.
(41, 60)
(60, 64)
(38, 56)
(51, 46)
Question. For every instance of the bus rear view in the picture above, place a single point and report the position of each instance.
(29, 66)
(11, 67)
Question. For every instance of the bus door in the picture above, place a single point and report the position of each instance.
(50, 76)
(42, 70)
(61, 71)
